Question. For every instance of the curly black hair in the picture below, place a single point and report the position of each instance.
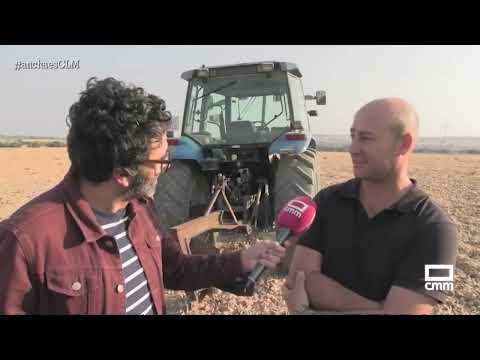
(112, 126)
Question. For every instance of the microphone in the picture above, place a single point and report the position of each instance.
(293, 219)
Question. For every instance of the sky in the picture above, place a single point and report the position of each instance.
(441, 82)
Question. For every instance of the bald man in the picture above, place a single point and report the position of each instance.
(373, 236)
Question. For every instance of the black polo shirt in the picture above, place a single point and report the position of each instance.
(369, 256)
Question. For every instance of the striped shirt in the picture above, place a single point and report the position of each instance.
(138, 298)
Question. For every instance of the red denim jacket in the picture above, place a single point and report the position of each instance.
(55, 258)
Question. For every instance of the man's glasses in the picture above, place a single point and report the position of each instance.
(165, 162)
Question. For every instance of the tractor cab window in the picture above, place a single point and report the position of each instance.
(267, 116)
(215, 116)
(243, 109)
(298, 100)
(204, 115)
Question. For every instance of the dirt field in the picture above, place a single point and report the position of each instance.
(452, 180)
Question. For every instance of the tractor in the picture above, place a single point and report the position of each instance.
(245, 150)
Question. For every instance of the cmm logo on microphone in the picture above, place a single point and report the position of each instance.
(296, 208)
(437, 283)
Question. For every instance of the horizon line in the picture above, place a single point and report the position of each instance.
(342, 135)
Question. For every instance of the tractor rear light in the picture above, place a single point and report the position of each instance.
(173, 142)
(295, 136)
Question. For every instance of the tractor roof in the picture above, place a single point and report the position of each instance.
(278, 66)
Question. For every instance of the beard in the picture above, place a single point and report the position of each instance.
(141, 187)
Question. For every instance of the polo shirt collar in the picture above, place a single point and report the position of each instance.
(407, 203)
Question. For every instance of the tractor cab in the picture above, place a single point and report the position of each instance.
(244, 104)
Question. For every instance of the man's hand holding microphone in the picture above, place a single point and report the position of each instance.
(293, 220)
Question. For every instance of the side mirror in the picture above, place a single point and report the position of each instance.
(321, 97)
(312, 113)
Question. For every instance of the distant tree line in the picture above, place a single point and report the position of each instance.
(32, 144)
(344, 148)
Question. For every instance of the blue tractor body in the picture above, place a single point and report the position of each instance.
(248, 123)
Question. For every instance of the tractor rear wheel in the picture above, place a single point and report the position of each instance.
(183, 193)
(296, 175)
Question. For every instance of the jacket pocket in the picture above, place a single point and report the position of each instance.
(71, 292)
(154, 245)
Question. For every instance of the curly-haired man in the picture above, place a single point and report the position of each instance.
(93, 244)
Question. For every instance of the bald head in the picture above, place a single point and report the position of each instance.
(394, 113)
(383, 136)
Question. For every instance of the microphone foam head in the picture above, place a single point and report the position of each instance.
(297, 215)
